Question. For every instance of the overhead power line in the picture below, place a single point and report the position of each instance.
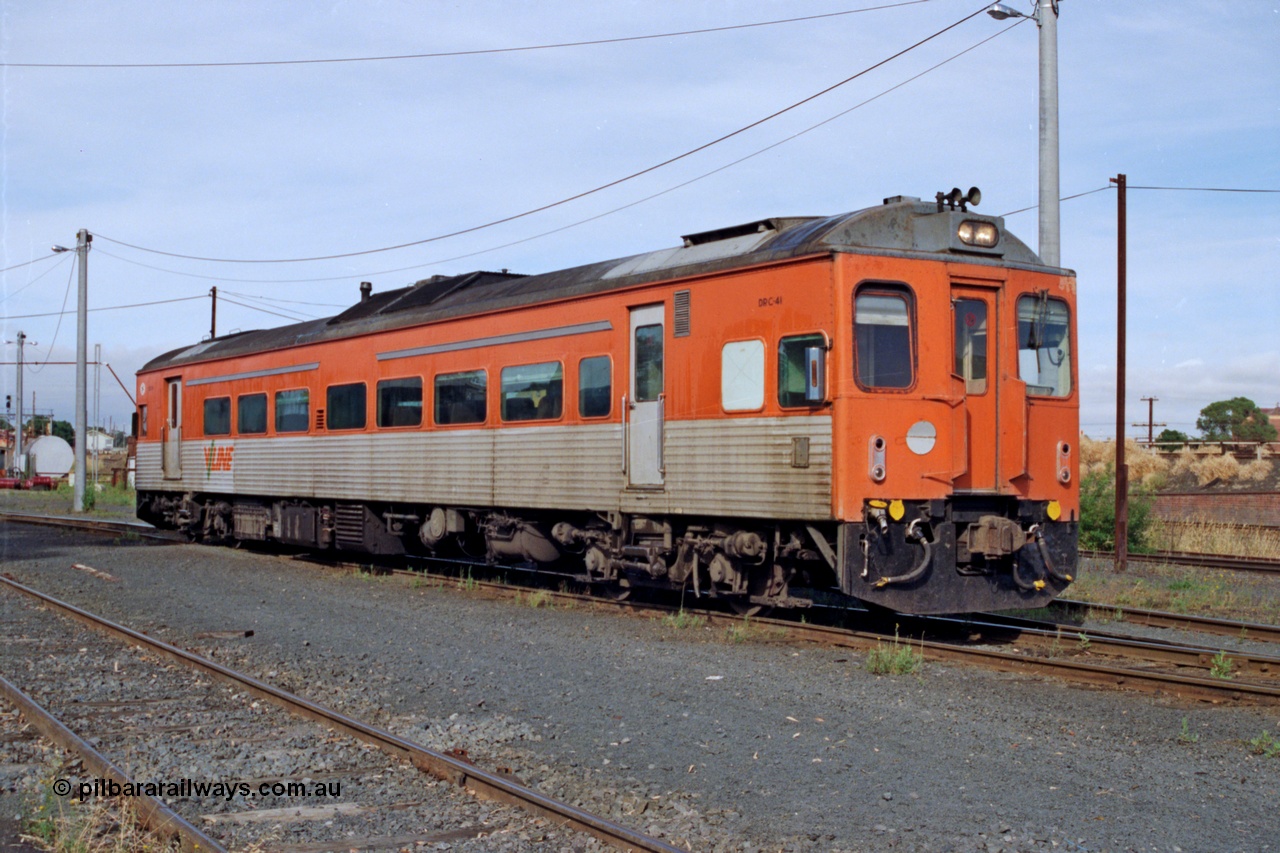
(567, 199)
(29, 263)
(598, 216)
(1173, 189)
(453, 53)
(106, 308)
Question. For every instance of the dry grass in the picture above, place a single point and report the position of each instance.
(1200, 536)
(102, 826)
(1146, 468)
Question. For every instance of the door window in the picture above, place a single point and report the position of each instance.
(648, 350)
(971, 344)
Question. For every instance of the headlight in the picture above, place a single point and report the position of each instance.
(984, 235)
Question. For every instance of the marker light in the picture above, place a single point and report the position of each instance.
(973, 232)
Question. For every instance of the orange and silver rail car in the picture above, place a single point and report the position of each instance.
(882, 403)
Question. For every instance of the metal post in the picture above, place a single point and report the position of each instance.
(83, 238)
(17, 441)
(1122, 469)
(97, 399)
(1050, 228)
(213, 314)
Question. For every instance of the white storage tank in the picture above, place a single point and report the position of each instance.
(50, 456)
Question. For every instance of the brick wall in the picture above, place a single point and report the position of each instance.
(1253, 508)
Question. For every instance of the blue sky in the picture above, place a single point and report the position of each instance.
(298, 161)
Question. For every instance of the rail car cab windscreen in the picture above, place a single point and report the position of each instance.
(882, 330)
(1044, 345)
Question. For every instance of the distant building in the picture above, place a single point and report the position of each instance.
(1273, 415)
(97, 441)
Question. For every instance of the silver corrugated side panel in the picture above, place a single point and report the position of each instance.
(744, 467)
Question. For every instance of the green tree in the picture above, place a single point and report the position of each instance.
(65, 431)
(1170, 436)
(1098, 513)
(1237, 419)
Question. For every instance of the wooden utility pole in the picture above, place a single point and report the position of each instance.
(1122, 468)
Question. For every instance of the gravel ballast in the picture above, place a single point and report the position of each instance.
(755, 745)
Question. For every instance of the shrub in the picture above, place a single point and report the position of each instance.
(1098, 513)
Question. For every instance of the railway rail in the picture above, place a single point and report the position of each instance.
(1035, 648)
(456, 770)
(1048, 649)
(151, 812)
(1186, 558)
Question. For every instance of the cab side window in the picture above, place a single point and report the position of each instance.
(884, 334)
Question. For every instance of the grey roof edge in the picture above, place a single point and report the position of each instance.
(892, 229)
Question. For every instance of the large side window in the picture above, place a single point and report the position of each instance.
(793, 369)
(217, 416)
(251, 414)
(1044, 345)
(742, 376)
(533, 392)
(885, 343)
(595, 386)
(400, 402)
(460, 398)
(345, 406)
(292, 410)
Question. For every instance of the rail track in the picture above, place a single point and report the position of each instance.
(1059, 650)
(1207, 561)
(1007, 644)
(188, 705)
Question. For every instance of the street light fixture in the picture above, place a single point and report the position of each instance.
(1045, 15)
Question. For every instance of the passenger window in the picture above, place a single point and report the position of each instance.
(217, 416)
(595, 387)
(400, 402)
(793, 368)
(533, 392)
(971, 344)
(742, 376)
(251, 414)
(648, 350)
(882, 331)
(1044, 345)
(142, 419)
(292, 410)
(461, 398)
(345, 406)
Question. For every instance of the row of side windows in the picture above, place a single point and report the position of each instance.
(530, 392)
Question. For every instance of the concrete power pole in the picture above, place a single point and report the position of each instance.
(83, 238)
(17, 441)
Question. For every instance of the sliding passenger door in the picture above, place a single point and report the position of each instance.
(643, 412)
(172, 430)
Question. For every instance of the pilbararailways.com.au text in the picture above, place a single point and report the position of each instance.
(224, 789)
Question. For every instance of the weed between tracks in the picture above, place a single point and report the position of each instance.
(68, 825)
(897, 658)
(683, 620)
(1186, 736)
(1265, 745)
